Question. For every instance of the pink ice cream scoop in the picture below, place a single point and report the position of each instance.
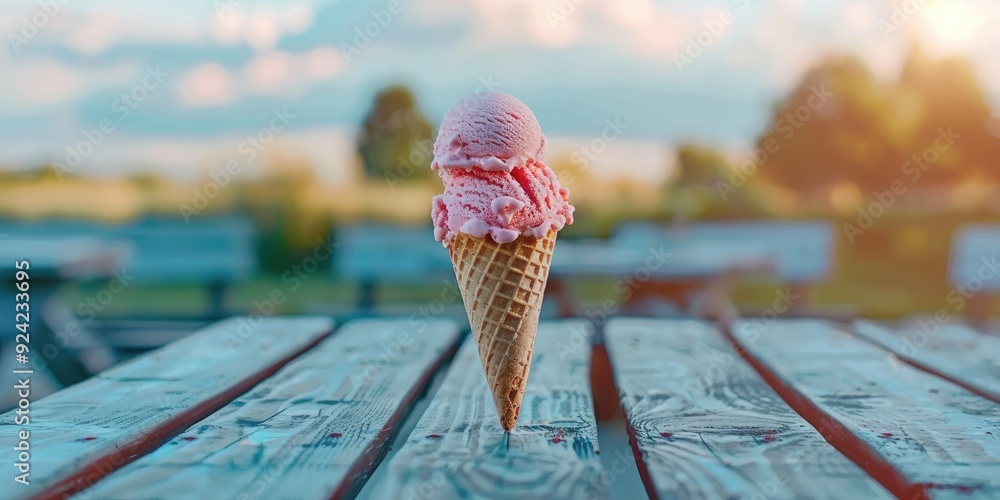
(489, 153)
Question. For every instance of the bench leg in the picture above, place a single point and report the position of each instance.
(367, 296)
(217, 299)
(565, 302)
(804, 293)
(978, 311)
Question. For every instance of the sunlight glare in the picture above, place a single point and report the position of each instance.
(951, 23)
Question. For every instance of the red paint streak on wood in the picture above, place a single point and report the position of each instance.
(647, 480)
(89, 438)
(433, 436)
(666, 434)
(560, 436)
(335, 434)
(189, 438)
(770, 435)
(886, 435)
(926, 366)
(835, 432)
(160, 434)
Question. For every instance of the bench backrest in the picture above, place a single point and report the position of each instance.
(164, 250)
(974, 253)
(389, 253)
(802, 250)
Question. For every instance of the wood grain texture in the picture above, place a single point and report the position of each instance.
(83, 433)
(316, 429)
(951, 351)
(459, 450)
(707, 426)
(917, 434)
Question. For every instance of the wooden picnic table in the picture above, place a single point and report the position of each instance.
(295, 408)
(68, 354)
(689, 278)
(657, 264)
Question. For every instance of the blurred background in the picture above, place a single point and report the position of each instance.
(215, 157)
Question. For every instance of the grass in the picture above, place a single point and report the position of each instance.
(872, 286)
(895, 269)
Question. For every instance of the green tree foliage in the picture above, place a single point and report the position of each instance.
(704, 189)
(395, 140)
(837, 124)
(840, 124)
(699, 167)
(952, 97)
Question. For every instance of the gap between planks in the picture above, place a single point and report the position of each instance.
(832, 430)
(458, 448)
(316, 429)
(702, 422)
(864, 331)
(911, 468)
(100, 464)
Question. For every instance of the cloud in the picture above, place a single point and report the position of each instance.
(95, 32)
(261, 29)
(282, 73)
(268, 73)
(207, 84)
(641, 28)
(43, 82)
(323, 62)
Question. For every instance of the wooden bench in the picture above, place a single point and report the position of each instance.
(372, 255)
(974, 273)
(211, 251)
(797, 253)
(68, 351)
(292, 408)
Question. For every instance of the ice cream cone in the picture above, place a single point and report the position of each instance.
(502, 286)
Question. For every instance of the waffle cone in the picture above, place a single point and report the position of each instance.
(502, 286)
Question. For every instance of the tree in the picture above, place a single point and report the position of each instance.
(396, 140)
(838, 124)
(707, 187)
(951, 98)
(699, 167)
(841, 125)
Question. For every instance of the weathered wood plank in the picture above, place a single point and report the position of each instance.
(316, 429)
(707, 426)
(83, 433)
(951, 351)
(917, 434)
(459, 450)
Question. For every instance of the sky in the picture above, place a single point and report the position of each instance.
(177, 86)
